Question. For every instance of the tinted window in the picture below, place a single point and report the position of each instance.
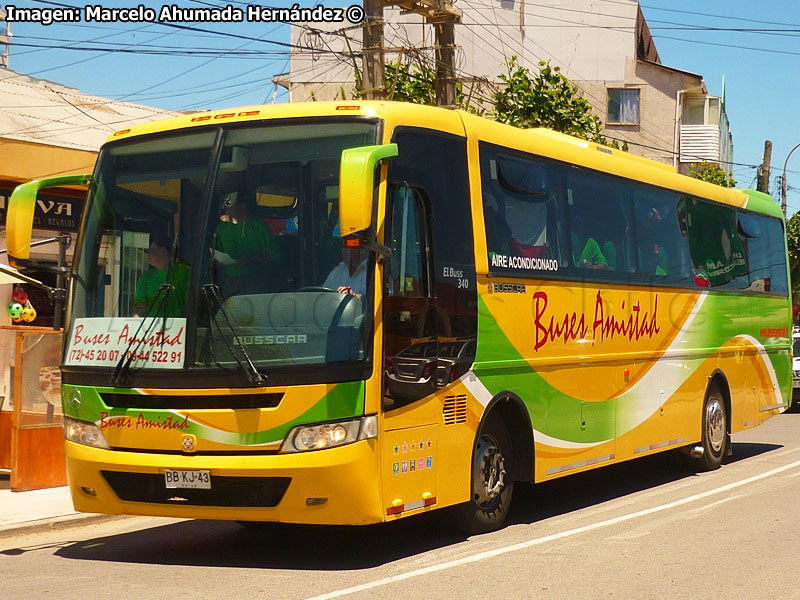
(407, 273)
(764, 248)
(716, 249)
(599, 214)
(521, 209)
(662, 252)
(545, 219)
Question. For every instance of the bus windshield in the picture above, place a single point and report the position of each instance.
(221, 248)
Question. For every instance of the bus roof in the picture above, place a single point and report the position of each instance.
(540, 141)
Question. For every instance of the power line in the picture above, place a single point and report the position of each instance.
(713, 16)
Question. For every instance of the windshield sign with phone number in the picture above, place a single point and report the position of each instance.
(102, 342)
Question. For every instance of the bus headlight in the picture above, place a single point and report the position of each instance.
(84, 433)
(329, 435)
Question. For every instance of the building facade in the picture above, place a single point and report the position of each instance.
(604, 48)
(47, 129)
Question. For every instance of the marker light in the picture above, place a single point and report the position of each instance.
(329, 435)
(84, 433)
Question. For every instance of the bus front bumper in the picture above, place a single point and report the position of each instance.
(337, 486)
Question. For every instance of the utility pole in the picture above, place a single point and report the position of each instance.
(763, 170)
(372, 51)
(784, 187)
(443, 16)
(444, 21)
(783, 190)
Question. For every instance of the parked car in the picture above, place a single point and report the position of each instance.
(422, 368)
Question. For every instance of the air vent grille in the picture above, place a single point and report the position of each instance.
(455, 409)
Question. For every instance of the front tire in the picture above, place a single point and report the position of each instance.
(492, 487)
(715, 431)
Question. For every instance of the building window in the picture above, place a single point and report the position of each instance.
(703, 110)
(623, 106)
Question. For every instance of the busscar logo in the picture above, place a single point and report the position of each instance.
(269, 340)
(508, 288)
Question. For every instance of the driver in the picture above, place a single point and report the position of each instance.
(350, 275)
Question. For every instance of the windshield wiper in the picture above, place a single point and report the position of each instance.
(214, 304)
(120, 374)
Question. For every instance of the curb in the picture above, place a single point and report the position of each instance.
(55, 523)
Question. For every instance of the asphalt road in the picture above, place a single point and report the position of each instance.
(645, 529)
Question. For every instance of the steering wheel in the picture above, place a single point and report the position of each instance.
(316, 288)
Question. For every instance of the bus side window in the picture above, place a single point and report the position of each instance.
(662, 251)
(410, 311)
(715, 244)
(518, 204)
(764, 253)
(407, 269)
(598, 212)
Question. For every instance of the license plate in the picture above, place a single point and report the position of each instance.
(187, 479)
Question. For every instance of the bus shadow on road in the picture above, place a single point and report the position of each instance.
(268, 545)
(575, 492)
(332, 548)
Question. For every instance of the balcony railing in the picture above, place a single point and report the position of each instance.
(700, 143)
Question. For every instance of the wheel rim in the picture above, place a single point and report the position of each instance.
(715, 423)
(490, 472)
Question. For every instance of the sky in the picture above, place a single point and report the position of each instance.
(752, 45)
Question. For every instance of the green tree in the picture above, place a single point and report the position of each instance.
(413, 82)
(793, 242)
(410, 83)
(711, 173)
(547, 99)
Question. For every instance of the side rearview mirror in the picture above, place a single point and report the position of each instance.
(21, 206)
(357, 185)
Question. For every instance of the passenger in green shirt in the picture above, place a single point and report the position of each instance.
(244, 244)
(151, 280)
(591, 257)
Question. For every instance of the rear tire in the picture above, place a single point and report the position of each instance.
(492, 487)
(715, 431)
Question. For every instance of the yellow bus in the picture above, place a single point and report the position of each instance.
(353, 313)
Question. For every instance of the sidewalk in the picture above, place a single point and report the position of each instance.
(39, 510)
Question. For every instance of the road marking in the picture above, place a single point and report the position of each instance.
(548, 538)
(700, 509)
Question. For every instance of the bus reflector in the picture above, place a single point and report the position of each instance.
(205, 118)
(348, 107)
(122, 132)
(249, 113)
(396, 509)
(352, 242)
(225, 116)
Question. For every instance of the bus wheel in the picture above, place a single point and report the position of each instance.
(492, 486)
(708, 455)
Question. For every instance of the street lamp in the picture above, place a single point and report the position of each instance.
(783, 180)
